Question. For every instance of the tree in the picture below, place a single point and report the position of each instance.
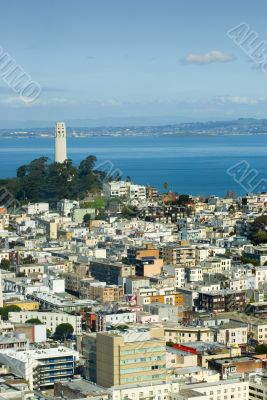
(129, 212)
(165, 185)
(87, 218)
(231, 209)
(258, 230)
(40, 181)
(101, 215)
(63, 331)
(170, 343)
(230, 195)
(34, 321)
(261, 349)
(247, 260)
(28, 260)
(86, 166)
(183, 199)
(6, 309)
(5, 264)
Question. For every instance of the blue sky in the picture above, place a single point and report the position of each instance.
(133, 60)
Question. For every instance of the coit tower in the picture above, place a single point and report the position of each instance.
(60, 142)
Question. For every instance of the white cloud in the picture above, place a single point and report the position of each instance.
(18, 101)
(208, 58)
(246, 100)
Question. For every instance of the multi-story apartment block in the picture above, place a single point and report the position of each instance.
(8, 342)
(231, 333)
(258, 386)
(179, 272)
(110, 320)
(222, 390)
(137, 192)
(222, 300)
(194, 274)
(42, 368)
(133, 283)
(124, 189)
(187, 334)
(159, 295)
(111, 273)
(131, 357)
(134, 252)
(101, 292)
(182, 254)
(216, 265)
(50, 319)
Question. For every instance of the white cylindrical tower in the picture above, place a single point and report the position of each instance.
(60, 142)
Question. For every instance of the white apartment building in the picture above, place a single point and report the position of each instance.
(4, 221)
(137, 192)
(4, 255)
(133, 283)
(231, 333)
(192, 234)
(230, 389)
(66, 206)
(258, 387)
(50, 319)
(178, 272)
(159, 390)
(216, 265)
(260, 276)
(124, 189)
(37, 208)
(194, 274)
(187, 334)
(116, 189)
(121, 318)
(41, 368)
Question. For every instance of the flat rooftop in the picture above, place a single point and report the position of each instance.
(24, 356)
(231, 360)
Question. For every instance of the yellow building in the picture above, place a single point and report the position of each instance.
(24, 305)
(174, 299)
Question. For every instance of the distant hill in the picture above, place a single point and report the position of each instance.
(231, 127)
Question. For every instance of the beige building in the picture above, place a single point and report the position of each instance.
(73, 278)
(131, 357)
(101, 292)
(186, 334)
(215, 265)
(52, 230)
(28, 269)
(182, 254)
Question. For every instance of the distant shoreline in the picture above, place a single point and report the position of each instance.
(84, 136)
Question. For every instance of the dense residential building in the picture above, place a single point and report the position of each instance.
(182, 254)
(42, 368)
(168, 302)
(132, 357)
(222, 300)
(111, 273)
(50, 319)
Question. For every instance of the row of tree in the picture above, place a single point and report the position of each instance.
(41, 181)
